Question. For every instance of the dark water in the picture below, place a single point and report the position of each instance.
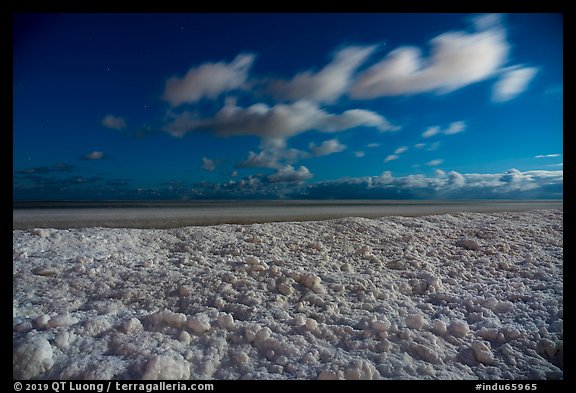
(158, 214)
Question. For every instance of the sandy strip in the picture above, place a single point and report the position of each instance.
(459, 296)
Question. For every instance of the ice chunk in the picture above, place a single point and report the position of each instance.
(241, 357)
(32, 358)
(311, 281)
(61, 320)
(199, 324)
(131, 325)
(64, 339)
(165, 367)
(41, 321)
(172, 319)
(328, 375)
(285, 289)
(226, 321)
(252, 260)
(482, 352)
(439, 327)
(361, 370)
(311, 324)
(96, 326)
(381, 325)
(469, 244)
(347, 268)
(459, 328)
(184, 337)
(46, 271)
(415, 321)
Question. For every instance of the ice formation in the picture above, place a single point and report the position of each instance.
(458, 296)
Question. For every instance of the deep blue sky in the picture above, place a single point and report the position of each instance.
(204, 106)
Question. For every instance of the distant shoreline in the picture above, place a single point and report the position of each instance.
(155, 214)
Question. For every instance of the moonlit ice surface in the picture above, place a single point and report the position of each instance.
(457, 296)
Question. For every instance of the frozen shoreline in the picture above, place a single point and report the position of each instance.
(456, 296)
(162, 215)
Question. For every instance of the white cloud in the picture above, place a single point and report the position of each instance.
(373, 145)
(273, 154)
(391, 157)
(456, 180)
(512, 83)
(95, 155)
(259, 160)
(456, 59)
(430, 131)
(359, 154)
(434, 146)
(420, 145)
(385, 178)
(327, 84)
(454, 128)
(547, 155)
(487, 21)
(327, 147)
(510, 184)
(401, 150)
(434, 162)
(277, 122)
(288, 174)
(114, 122)
(208, 164)
(208, 80)
(511, 176)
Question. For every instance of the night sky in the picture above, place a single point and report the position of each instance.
(295, 106)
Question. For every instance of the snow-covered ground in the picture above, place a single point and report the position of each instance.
(457, 296)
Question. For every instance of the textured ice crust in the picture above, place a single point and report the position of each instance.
(460, 296)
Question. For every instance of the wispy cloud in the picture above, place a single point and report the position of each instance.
(435, 162)
(208, 164)
(431, 131)
(114, 122)
(95, 155)
(274, 153)
(547, 155)
(396, 155)
(60, 167)
(208, 80)
(512, 83)
(327, 147)
(457, 59)
(401, 150)
(326, 85)
(454, 128)
(359, 154)
(276, 122)
(391, 157)
(373, 145)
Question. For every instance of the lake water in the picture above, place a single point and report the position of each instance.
(139, 214)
